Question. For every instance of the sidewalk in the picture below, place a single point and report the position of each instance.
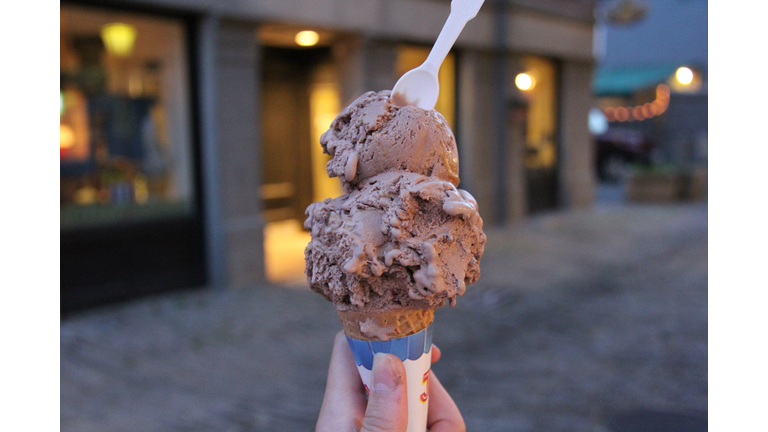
(577, 316)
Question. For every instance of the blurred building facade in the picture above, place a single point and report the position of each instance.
(651, 78)
(190, 129)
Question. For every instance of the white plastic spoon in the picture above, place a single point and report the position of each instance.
(420, 87)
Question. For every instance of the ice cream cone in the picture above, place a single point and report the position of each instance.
(405, 333)
(385, 325)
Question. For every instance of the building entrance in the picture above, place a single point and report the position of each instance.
(538, 87)
(299, 102)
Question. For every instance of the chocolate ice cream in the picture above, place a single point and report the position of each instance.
(373, 135)
(403, 236)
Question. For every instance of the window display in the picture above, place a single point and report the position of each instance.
(125, 128)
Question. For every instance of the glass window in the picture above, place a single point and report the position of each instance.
(125, 130)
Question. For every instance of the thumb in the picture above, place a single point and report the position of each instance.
(388, 402)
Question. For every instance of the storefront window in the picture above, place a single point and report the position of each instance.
(125, 129)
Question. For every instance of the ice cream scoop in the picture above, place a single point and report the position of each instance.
(372, 136)
(402, 240)
(420, 86)
(403, 236)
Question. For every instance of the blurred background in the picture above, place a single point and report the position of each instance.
(189, 150)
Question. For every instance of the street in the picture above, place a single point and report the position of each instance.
(578, 316)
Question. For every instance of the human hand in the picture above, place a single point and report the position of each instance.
(345, 407)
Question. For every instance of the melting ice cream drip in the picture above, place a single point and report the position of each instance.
(457, 205)
(428, 277)
(351, 167)
(371, 329)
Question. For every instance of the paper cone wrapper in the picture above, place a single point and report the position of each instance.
(414, 351)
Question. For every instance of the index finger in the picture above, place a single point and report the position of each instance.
(344, 401)
(443, 415)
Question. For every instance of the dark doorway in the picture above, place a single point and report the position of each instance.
(542, 189)
(287, 161)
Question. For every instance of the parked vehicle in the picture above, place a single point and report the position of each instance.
(617, 148)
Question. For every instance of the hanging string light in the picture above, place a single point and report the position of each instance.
(641, 112)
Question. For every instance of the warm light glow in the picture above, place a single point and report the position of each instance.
(140, 189)
(324, 105)
(641, 112)
(662, 92)
(637, 113)
(524, 82)
(647, 110)
(118, 38)
(684, 75)
(307, 38)
(86, 195)
(66, 137)
(284, 244)
(621, 114)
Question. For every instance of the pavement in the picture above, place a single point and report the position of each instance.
(580, 319)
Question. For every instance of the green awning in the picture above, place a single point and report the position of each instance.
(627, 81)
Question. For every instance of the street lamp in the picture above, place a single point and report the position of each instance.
(684, 75)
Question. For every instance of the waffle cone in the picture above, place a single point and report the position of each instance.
(388, 324)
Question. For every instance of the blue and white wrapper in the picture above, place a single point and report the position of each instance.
(415, 351)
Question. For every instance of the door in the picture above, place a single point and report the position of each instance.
(287, 157)
(537, 86)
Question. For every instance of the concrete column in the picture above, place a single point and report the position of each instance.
(380, 64)
(466, 99)
(476, 130)
(349, 58)
(478, 122)
(576, 163)
(207, 79)
(364, 65)
(232, 153)
(514, 169)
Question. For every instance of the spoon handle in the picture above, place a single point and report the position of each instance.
(461, 12)
(466, 8)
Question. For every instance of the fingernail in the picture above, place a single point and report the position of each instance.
(386, 376)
